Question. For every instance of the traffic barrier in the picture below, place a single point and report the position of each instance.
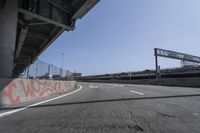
(16, 91)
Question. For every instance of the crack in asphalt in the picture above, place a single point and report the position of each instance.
(165, 114)
(136, 126)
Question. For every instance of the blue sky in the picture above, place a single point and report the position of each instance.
(119, 35)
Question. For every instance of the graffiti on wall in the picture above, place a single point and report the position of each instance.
(18, 90)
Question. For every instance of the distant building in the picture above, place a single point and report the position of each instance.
(76, 74)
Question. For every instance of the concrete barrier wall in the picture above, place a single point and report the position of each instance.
(184, 82)
(16, 91)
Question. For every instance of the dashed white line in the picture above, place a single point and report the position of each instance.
(116, 85)
(52, 99)
(195, 114)
(93, 86)
(137, 92)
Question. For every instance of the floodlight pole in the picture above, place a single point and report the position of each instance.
(29, 61)
(62, 64)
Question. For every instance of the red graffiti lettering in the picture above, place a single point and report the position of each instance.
(8, 92)
(33, 89)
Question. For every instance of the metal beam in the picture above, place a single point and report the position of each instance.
(89, 4)
(37, 23)
(47, 43)
(28, 13)
(21, 23)
(37, 36)
(22, 37)
(23, 60)
(61, 8)
(29, 49)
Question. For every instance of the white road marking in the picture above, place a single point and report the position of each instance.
(110, 87)
(12, 112)
(116, 85)
(32, 105)
(195, 114)
(93, 86)
(137, 92)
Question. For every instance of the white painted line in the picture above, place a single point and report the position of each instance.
(137, 92)
(121, 85)
(110, 87)
(116, 85)
(12, 112)
(195, 114)
(93, 86)
(32, 105)
(55, 98)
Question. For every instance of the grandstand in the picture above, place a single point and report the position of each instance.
(192, 71)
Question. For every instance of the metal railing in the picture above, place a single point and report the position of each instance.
(42, 70)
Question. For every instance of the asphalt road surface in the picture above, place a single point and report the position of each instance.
(111, 108)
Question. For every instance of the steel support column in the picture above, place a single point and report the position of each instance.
(156, 63)
(8, 29)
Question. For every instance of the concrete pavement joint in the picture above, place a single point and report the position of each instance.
(32, 105)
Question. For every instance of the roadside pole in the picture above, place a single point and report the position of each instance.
(156, 62)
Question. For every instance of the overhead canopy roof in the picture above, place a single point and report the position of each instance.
(40, 22)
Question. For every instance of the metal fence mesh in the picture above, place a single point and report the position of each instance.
(42, 70)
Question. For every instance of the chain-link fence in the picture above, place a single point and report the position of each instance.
(43, 70)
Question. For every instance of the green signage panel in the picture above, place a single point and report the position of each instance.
(176, 55)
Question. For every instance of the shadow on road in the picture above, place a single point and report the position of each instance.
(106, 100)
